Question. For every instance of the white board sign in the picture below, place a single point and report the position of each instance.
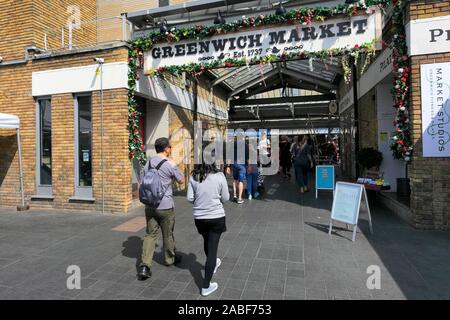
(425, 36)
(435, 89)
(318, 36)
(347, 203)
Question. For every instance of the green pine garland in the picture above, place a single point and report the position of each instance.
(401, 145)
(135, 144)
(302, 16)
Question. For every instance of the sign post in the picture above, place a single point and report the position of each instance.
(324, 178)
(346, 205)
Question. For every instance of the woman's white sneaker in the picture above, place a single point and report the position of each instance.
(218, 263)
(212, 287)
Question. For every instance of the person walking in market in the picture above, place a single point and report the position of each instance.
(302, 162)
(252, 173)
(285, 157)
(208, 190)
(239, 167)
(162, 216)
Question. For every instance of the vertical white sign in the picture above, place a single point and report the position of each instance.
(435, 88)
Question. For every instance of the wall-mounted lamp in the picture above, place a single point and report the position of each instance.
(280, 9)
(219, 19)
(164, 27)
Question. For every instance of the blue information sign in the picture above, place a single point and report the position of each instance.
(324, 178)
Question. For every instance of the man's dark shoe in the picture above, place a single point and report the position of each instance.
(144, 273)
(178, 259)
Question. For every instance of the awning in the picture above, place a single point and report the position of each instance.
(8, 121)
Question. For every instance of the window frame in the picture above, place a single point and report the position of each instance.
(42, 190)
(82, 192)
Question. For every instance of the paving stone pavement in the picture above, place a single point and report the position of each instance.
(275, 248)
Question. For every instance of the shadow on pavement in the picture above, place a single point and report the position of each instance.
(324, 228)
(132, 248)
(189, 262)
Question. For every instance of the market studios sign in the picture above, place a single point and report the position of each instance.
(435, 89)
(333, 33)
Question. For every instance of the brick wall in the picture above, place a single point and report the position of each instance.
(427, 9)
(51, 15)
(24, 23)
(368, 136)
(16, 98)
(14, 16)
(183, 118)
(430, 186)
(110, 28)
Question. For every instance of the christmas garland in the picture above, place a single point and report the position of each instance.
(401, 145)
(302, 16)
(136, 147)
(196, 69)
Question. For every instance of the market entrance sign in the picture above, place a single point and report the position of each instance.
(334, 33)
(426, 36)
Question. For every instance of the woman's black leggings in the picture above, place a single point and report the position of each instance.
(210, 245)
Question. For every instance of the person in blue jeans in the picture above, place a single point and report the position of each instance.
(239, 171)
(252, 181)
(239, 168)
(302, 163)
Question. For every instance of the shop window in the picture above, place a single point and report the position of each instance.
(43, 147)
(83, 146)
(163, 3)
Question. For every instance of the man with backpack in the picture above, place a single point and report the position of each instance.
(155, 192)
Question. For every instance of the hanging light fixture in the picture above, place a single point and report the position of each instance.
(280, 9)
(148, 20)
(219, 19)
(164, 27)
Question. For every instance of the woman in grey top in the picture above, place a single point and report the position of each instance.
(208, 190)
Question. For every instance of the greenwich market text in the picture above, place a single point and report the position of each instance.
(250, 45)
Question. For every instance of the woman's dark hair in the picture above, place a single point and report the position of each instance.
(202, 170)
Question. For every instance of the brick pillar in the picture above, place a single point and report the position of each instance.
(62, 149)
(430, 186)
